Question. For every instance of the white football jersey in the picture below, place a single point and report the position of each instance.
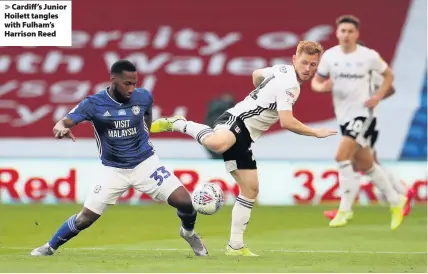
(278, 91)
(351, 74)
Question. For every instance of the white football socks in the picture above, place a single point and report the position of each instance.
(241, 213)
(380, 180)
(196, 130)
(187, 233)
(396, 182)
(349, 182)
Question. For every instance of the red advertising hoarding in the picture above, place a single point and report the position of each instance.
(187, 52)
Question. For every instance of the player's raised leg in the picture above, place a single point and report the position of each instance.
(365, 160)
(241, 212)
(348, 179)
(217, 141)
(156, 180)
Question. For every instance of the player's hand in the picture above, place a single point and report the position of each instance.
(372, 102)
(324, 132)
(64, 133)
(324, 86)
(327, 85)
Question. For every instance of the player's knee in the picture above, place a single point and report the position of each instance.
(250, 190)
(347, 150)
(85, 219)
(215, 144)
(355, 166)
(181, 200)
(255, 190)
(340, 157)
(219, 142)
(365, 166)
(83, 222)
(364, 160)
(220, 149)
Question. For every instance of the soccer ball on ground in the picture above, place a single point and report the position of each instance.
(207, 198)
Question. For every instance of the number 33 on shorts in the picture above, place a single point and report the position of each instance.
(160, 174)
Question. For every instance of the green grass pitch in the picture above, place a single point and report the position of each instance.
(145, 239)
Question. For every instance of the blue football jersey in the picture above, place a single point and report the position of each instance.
(121, 134)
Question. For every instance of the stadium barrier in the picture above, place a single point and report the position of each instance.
(52, 181)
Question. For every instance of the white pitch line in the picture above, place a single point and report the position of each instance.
(260, 250)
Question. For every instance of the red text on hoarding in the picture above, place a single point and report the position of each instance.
(37, 188)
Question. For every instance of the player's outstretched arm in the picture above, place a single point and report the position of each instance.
(84, 111)
(321, 84)
(62, 129)
(290, 123)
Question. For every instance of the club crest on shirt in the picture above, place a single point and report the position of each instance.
(237, 129)
(136, 110)
(283, 69)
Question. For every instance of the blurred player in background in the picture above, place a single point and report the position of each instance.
(121, 116)
(277, 90)
(376, 80)
(346, 69)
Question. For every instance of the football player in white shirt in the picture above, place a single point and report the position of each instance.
(277, 89)
(375, 82)
(345, 70)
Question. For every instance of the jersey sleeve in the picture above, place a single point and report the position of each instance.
(285, 98)
(148, 100)
(82, 112)
(267, 72)
(377, 63)
(324, 67)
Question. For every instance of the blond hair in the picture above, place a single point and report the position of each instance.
(310, 48)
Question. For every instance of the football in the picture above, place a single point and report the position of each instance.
(207, 198)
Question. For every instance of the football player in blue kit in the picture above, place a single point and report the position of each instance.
(121, 116)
